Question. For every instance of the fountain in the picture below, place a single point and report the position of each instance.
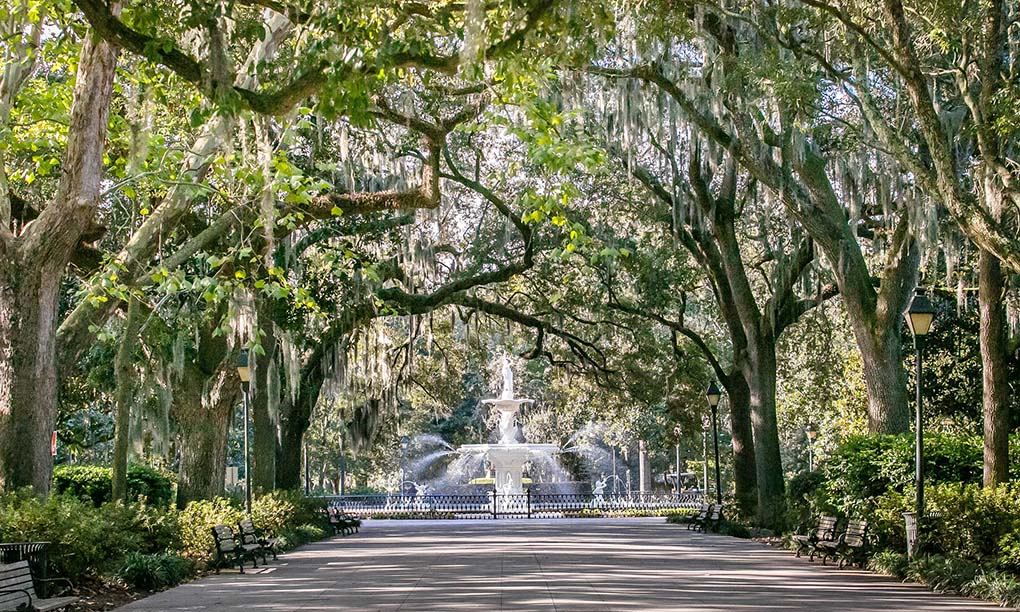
(508, 455)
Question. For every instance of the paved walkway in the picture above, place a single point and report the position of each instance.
(581, 565)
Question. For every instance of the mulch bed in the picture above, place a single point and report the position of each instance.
(100, 596)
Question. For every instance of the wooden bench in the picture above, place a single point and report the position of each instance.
(700, 517)
(17, 590)
(229, 549)
(825, 530)
(713, 519)
(341, 522)
(251, 535)
(849, 547)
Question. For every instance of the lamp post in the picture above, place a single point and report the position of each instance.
(244, 373)
(919, 318)
(714, 395)
(677, 432)
(404, 442)
(704, 453)
(812, 434)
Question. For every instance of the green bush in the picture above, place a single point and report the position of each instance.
(197, 520)
(889, 562)
(89, 540)
(95, 483)
(294, 536)
(272, 512)
(155, 572)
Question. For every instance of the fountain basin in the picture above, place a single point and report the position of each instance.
(508, 461)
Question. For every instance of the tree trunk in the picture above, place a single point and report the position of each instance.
(288, 460)
(745, 476)
(30, 275)
(265, 441)
(761, 372)
(991, 295)
(203, 414)
(124, 372)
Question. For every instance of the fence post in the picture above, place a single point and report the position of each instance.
(528, 492)
(494, 494)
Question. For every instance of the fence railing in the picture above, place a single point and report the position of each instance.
(492, 505)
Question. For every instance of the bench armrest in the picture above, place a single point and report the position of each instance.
(28, 597)
(67, 583)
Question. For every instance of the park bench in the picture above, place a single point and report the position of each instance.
(228, 549)
(17, 590)
(849, 547)
(343, 523)
(250, 535)
(700, 517)
(713, 519)
(825, 530)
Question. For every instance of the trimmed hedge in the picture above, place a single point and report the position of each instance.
(95, 483)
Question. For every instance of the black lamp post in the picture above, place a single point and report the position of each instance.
(812, 434)
(244, 373)
(919, 318)
(677, 431)
(404, 442)
(714, 395)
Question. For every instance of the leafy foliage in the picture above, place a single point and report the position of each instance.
(155, 572)
(93, 482)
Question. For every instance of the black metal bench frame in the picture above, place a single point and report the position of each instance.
(341, 522)
(229, 549)
(825, 529)
(850, 547)
(249, 534)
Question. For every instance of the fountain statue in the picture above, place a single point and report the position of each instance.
(509, 454)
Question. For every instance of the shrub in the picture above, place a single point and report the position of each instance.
(273, 511)
(996, 586)
(95, 483)
(734, 529)
(889, 562)
(198, 518)
(155, 572)
(91, 540)
(294, 536)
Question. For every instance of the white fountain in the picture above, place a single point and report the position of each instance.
(508, 456)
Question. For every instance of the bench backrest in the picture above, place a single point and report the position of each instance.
(826, 528)
(703, 511)
(246, 529)
(16, 577)
(716, 512)
(224, 537)
(856, 532)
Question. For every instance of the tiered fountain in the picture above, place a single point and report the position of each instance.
(508, 456)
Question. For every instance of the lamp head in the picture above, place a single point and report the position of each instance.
(920, 315)
(811, 431)
(243, 370)
(713, 394)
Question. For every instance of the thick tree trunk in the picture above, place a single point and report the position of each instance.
(288, 461)
(266, 441)
(32, 267)
(28, 382)
(745, 475)
(884, 378)
(991, 295)
(124, 373)
(203, 417)
(761, 374)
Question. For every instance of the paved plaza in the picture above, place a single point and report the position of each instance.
(552, 565)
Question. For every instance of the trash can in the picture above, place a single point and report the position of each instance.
(37, 555)
(911, 520)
